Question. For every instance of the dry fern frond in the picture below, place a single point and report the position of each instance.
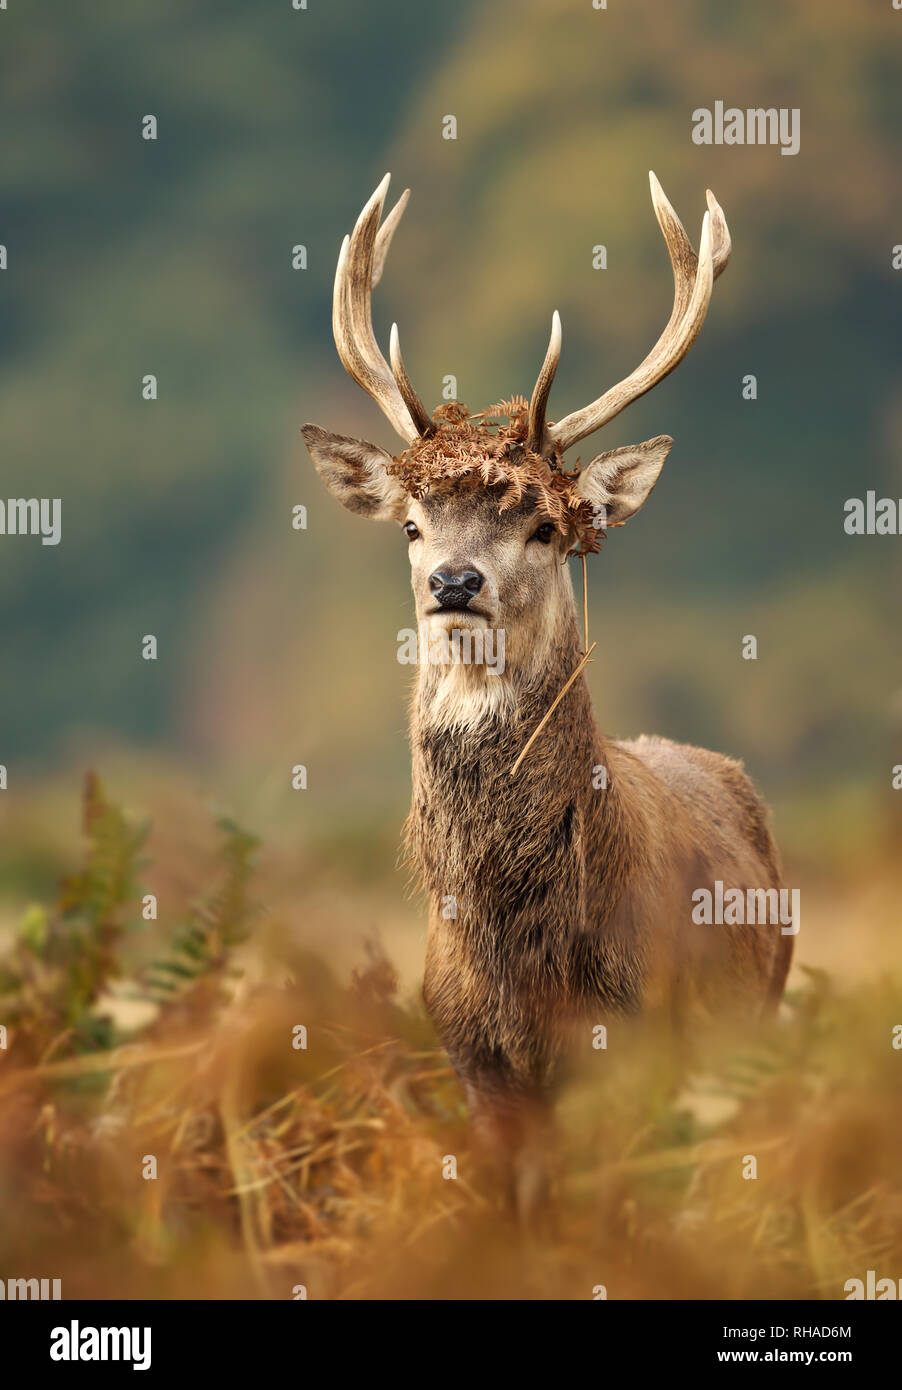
(483, 450)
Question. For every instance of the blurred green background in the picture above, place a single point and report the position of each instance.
(173, 257)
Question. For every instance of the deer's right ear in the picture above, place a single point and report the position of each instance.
(355, 473)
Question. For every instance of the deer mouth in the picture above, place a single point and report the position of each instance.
(457, 608)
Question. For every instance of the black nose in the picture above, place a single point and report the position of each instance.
(455, 590)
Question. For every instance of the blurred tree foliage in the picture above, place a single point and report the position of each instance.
(173, 257)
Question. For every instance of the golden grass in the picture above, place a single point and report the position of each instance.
(322, 1166)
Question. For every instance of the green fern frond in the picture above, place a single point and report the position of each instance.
(200, 956)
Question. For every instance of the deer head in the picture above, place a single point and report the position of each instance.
(489, 512)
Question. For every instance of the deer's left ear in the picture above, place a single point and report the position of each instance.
(621, 479)
(355, 474)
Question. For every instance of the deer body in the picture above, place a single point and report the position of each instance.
(561, 880)
(572, 901)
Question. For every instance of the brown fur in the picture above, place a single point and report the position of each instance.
(575, 902)
(554, 902)
(572, 904)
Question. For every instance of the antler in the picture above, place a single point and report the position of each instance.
(360, 265)
(537, 438)
(693, 279)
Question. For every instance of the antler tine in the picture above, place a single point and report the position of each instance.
(360, 264)
(723, 242)
(693, 280)
(418, 412)
(537, 439)
(683, 260)
(386, 232)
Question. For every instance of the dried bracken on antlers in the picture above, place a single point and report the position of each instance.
(478, 451)
(360, 265)
(693, 279)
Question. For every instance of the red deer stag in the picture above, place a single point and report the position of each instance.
(561, 895)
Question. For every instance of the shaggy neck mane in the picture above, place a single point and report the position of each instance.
(506, 857)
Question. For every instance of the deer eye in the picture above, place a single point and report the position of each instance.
(411, 530)
(544, 533)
